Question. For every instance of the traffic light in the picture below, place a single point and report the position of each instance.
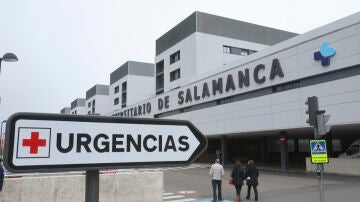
(317, 118)
(322, 127)
(312, 110)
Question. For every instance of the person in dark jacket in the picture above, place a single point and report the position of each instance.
(252, 175)
(238, 176)
(1, 176)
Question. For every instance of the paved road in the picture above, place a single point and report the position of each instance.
(274, 186)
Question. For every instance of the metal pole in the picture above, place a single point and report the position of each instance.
(92, 186)
(321, 182)
(320, 166)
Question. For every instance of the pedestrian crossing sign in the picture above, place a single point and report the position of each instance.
(318, 151)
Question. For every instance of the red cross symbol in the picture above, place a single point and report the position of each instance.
(34, 142)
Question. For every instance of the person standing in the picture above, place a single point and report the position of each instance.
(1, 176)
(252, 175)
(238, 176)
(216, 173)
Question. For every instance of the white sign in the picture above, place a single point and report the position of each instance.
(47, 142)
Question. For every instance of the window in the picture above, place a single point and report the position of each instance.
(286, 86)
(123, 100)
(354, 149)
(174, 75)
(89, 104)
(89, 112)
(336, 145)
(116, 89)
(160, 77)
(160, 67)
(224, 100)
(244, 52)
(93, 110)
(304, 145)
(175, 57)
(159, 82)
(116, 101)
(226, 49)
(93, 103)
(123, 94)
(123, 87)
(237, 51)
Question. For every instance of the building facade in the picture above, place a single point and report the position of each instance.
(245, 107)
(97, 99)
(78, 106)
(130, 83)
(203, 43)
(65, 110)
(245, 102)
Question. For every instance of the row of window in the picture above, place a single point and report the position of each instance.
(237, 51)
(123, 88)
(159, 84)
(123, 94)
(93, 104)
(302, 145)
(174, 75)
(123, 100)
(175, 57)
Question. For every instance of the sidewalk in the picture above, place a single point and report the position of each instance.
(274, 185)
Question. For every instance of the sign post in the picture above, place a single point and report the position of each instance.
(54, 142)
(319, 157)
(92, 186)
(318, 120)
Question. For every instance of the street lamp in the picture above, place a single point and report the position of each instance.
(8, 57)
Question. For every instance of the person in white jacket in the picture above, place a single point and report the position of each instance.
(216, 173)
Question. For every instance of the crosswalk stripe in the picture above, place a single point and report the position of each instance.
(172, 197)
(183, 200)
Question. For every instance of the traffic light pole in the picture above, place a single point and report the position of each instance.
(320, 171)
(318, 120)
(321, 181)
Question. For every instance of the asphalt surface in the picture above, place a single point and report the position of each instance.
(273, 186)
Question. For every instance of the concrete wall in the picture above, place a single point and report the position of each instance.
(131, 186)
(337, 166)
(139, 88)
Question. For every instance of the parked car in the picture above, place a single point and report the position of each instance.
(353, 151)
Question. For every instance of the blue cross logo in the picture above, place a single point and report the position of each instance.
(324, 54)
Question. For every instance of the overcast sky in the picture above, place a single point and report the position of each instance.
(65, 47)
